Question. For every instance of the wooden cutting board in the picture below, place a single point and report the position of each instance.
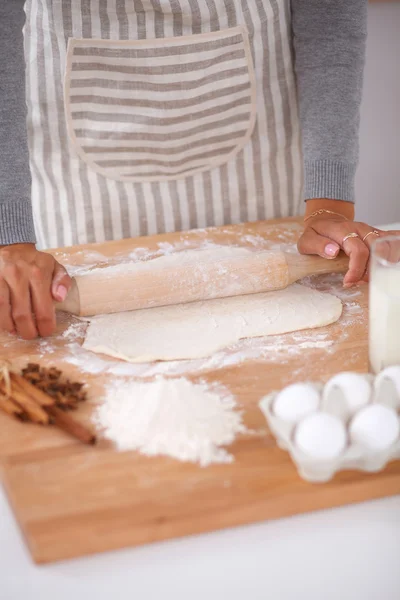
(70, 500)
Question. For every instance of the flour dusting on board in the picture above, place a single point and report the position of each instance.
(74, 331)
(171, 417)
(46, 347)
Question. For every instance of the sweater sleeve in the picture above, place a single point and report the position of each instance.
(329, 40)
(16, 221)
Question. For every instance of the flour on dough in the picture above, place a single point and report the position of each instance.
(198, 329)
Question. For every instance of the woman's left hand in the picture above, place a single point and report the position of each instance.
(326, 234)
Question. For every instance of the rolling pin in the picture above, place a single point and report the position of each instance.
(148, 284)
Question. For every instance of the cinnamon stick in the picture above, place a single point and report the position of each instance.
(64, 421)
(37, 395)
(21, 398)
(59, 417)
(27, 404)
(9, 407)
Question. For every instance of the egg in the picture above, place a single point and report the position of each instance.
(375, 427)
(354, 389)
(387, 382)
(321, 436)
(295, 402)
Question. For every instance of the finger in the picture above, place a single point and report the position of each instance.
(6, 322)
(368, 234)
(312, 242)
(356, 250)
(42, 301)
(358, 254)
(61, 283)
(20, 299)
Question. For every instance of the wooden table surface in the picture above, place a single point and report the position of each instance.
(72, 500)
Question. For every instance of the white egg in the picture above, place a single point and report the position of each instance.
(321, 436)
(354, 388)
(295, 402)
(375, 427)
(391, 374)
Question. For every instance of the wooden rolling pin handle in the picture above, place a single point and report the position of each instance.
(300, 266)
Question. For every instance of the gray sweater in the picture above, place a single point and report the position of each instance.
(329, 43)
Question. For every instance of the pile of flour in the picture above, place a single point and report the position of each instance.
(171, 417)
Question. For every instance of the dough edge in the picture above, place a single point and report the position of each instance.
(334, 316)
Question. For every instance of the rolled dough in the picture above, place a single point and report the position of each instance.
(199, 329)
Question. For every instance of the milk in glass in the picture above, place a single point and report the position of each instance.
(384, 304)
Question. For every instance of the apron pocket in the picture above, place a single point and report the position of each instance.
(160, 109)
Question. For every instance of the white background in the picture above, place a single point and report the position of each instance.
(352, 553)
(378, 175)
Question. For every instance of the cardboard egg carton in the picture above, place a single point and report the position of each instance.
(341, 402)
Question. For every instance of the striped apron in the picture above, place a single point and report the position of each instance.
(150, 116)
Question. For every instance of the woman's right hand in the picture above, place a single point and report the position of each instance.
(30, 281)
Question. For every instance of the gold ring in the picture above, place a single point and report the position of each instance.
(349, 236)
(374, 232)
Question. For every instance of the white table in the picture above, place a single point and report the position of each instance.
(351, 553)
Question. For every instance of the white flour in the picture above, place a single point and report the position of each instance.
(170, 417)
(74, 331)
(45, 346)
